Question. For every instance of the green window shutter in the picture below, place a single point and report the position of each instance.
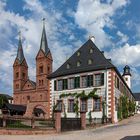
(102, 79)
(65, 84)
(76, 82)
(55, 86)
(90, 80)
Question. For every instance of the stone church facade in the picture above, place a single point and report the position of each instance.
(27, 92)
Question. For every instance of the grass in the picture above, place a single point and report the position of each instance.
(17, 124)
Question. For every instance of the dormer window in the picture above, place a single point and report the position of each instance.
(78, 53)
(90, 61)
(78, 63)
(91, 50)
(68, 66)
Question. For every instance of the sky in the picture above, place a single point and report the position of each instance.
(115, 24)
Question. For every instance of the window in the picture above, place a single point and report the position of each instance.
(83, 105)
(39, 82)
(78, 64)
(78, 53)
(90, 80)
(48, 69)
(65, 84)
(91, 50)
(84, 81)
(40, 69)
(99, 79)
(60, 82)
(17, 75)
(90, 61)
(97, 105)
(117, 82)
(126, 79)
(71, 105)
(77, 82)
(23, 75)
(17, 86)
(68, 66)
(40, 96)
(55, 85)
(28, 97)
(59, 105)
(71, 83)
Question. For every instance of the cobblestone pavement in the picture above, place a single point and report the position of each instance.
(128, 129)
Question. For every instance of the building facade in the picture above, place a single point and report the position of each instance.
(137, 100)
(88, 69)
(27, 92)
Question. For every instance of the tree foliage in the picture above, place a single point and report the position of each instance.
(3, 100)
(126, 107)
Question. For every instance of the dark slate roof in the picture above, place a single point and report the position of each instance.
(137, 96)
(7, 96)
(16, 107)
(33, 83)
(20, 54)
(98, 58)
(21, 108)
(44, 44)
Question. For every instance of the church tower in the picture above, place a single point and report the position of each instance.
(20, 68)
(43, 64)
(127, 75)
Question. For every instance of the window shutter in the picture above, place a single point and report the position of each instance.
(55, 87)
(102, 79)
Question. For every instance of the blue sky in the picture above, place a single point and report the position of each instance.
(69, 23)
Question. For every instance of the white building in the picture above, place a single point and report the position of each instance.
(86, 70)
(137, 99)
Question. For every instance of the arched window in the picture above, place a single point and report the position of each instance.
(17, 74)
(40, 69)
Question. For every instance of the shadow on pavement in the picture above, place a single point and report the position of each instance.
(137, 137)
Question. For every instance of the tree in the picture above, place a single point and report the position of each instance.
(3, 101)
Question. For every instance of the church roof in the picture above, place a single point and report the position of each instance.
(44, 44)
(20, 54)
(21, 108)
(87, 58)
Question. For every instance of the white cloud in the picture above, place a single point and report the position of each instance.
(126, 55)
(95, 15)
(124, 38)
(31, 29)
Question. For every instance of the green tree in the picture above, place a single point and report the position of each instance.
(3, 101)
